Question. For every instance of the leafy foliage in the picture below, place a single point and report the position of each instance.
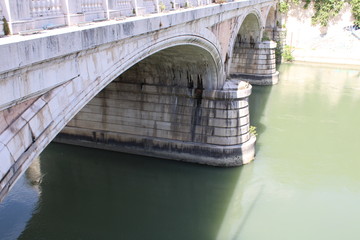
(284, 6)
(162, 6)
(6, 26)
(287, 54)
(253, 131)
(355, 6)
(325, 10)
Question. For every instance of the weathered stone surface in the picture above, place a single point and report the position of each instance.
(258, 63)
(6, 160)
(164, 76)
(269, 79)
(209, 154)
(40, 121)
(162, 113)
(20, 142)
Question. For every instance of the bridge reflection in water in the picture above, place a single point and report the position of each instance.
(304, 184)
(96, 194)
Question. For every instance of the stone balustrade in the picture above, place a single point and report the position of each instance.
(91, 5)
(27, 16)
(40, 8)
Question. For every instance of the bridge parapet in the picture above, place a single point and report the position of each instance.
(25, 16)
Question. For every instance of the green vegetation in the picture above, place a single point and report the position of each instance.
(252, 131)
(355, 6)
(187, 4)
(284, 6)
(265, 37)
(324, 9)
(278, 51)
(6, 26)
(287, 54)
(162, 6)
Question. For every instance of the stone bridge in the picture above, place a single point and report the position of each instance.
(155, 78)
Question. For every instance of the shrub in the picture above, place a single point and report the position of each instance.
(252, 131)
(287, 53)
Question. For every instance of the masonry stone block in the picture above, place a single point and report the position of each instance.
(216, 122)
(20, 142)
(16, 126)
(5, 183)
(222, 141)
(235, 131)
(3, 123)
(33, 109)
(40, 121)
(60, 98)
(6, 160)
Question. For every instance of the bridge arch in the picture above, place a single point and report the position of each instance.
(270, 23)
(177, 66)
(204, 42)
(251, 55)
(248, 29)
(48, 114)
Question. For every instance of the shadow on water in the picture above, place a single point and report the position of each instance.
(93, 194)
(258, 102)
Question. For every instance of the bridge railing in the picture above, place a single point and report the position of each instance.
(27, 16)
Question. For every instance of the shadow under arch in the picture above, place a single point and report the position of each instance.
(59, 105)
(211, 46)
(270, 23)
(157, 107)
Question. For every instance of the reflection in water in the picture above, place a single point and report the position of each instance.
(246, 193)
(326, 83)
(308, 157)
(17, 208)
(92, 194)
(303, 184)
(33, 174)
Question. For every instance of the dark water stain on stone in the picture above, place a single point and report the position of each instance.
(128, 28)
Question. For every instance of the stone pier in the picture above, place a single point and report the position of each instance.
(181, 123)
(255, 63)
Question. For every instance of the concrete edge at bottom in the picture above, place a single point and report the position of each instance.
(214, 155)
(254, 79)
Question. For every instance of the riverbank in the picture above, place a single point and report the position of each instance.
(334, 44)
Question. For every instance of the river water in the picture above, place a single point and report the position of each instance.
(303, 184)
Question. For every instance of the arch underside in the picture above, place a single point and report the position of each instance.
(182, 75)
(248, 28)
(252, 56)
(165, 106)
(248, 36)
(270, 24)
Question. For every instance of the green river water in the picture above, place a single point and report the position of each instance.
(303, 185)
